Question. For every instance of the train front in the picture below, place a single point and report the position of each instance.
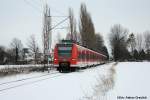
(64, 55)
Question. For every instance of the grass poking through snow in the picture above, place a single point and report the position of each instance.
(104, 84)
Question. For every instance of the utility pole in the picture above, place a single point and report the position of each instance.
(47, 35)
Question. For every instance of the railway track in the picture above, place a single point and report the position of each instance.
(30, 80)
(26, 81)
(23, 79)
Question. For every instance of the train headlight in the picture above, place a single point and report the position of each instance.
(73, 59)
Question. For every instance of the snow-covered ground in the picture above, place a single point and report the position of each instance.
(18, 66)
(132, 80)
(105, 82)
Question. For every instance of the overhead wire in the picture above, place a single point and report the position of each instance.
(37, 9)
(32, 5)
(54, 8)
(38, 5)
(59, 23)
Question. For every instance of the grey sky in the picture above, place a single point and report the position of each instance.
(21, 18)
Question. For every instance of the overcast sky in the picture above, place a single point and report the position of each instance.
(22, 18)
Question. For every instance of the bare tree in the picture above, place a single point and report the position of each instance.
(100, 47)
(16, 46)
(86, 28)
(147, 44)
(118, 37)
(72, 25)
(47, 32)
(79, 40)
(139, 42)
(16, 43)
(99, 42)
(58, 38)
(131, 43)
(3, 55)
(33, 47)
(68, 36)
(147, 40)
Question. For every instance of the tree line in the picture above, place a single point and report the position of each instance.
(124, 45)
(86, 36)
(129, 46)
(17, 54)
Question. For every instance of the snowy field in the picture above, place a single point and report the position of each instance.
(105, 82)
(132, 80)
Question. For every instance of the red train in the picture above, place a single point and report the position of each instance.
(69, 56)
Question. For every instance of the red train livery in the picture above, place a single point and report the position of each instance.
(69, 56)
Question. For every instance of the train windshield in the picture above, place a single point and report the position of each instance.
(64, 50)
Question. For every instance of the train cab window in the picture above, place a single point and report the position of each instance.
(64, 51)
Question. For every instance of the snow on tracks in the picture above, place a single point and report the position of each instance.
(25, 81)
(68, 86)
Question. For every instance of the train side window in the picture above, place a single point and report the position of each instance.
(87, 56)
(92, 56)
(80, 55)
(84, 55)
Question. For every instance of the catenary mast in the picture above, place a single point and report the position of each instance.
(47, 33)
